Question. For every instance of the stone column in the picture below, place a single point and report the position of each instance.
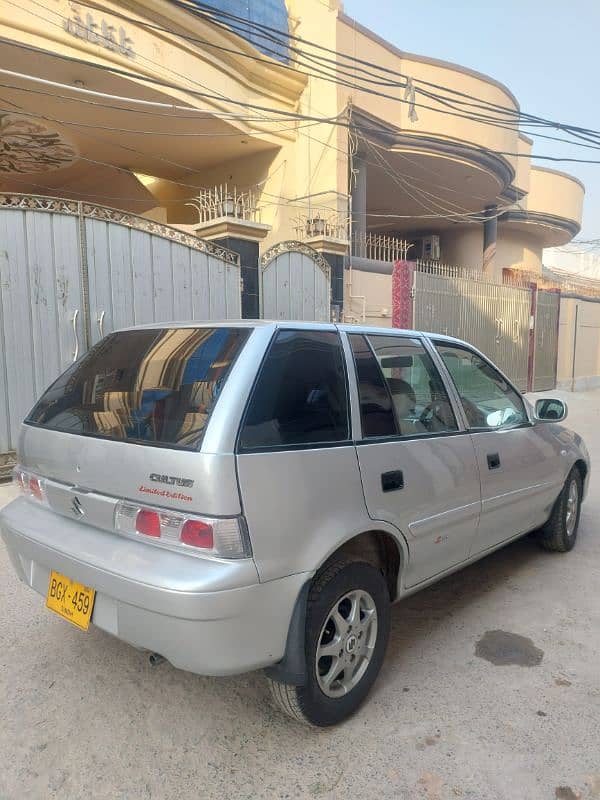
(490, 236)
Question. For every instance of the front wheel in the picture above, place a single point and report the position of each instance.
(347, 628)
(560, 532)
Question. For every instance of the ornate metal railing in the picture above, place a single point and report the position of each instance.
(566, 282)
(313, 225)
(379, 247)
(79, 208)
(225, 201)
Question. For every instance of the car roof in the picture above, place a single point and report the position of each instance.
(292, 325)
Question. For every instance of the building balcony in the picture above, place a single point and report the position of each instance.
(552, 209)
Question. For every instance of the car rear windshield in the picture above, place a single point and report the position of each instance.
(154, 387)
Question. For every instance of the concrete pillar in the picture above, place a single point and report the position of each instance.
(358, 190)
(247, 250)
(335, 252)
(490, 238)
(243, 237)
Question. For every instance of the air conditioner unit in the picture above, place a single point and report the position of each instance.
(430, 248)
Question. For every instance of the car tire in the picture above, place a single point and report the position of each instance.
(346, 634)
(559, 534)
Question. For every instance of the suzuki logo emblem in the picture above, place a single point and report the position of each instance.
(77, 508)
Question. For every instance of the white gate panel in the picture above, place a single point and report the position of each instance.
(142, 276)
(295, 283)
(71, 272)
(41, 312)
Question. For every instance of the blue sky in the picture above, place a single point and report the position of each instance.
(546, 51)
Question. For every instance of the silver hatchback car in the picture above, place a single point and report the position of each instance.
(245, 495)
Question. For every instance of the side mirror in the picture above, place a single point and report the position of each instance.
(550, 409)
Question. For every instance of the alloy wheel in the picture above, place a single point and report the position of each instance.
(346, 643)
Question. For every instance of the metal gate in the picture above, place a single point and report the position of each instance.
(493, 317)
(139, 275)
(71, 272)
(295, 283)
(546, 340)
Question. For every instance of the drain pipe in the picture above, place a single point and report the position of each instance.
(155, 659)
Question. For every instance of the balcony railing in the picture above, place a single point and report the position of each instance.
(225, 201)
(379, 247)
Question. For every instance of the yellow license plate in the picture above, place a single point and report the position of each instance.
(71, 600)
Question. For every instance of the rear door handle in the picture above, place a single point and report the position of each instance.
(493, 460)
(392, 481)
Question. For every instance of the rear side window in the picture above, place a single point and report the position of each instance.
(155, 387)
(301, 395)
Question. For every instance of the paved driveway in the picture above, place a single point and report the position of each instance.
(84, 716)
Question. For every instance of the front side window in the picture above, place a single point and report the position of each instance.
(149, 386)
(489, 401)
(300, 397)
(401, 392)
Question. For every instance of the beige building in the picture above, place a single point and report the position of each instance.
(415, 172)
(330, 135)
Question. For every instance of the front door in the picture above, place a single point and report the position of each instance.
(520, 475)
(418, 468)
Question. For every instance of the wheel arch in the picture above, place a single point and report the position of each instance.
(377, 546)
(583, 468)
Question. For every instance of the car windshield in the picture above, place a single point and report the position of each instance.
(150, 386)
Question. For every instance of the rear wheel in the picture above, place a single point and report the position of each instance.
(347, 628)
(560, 532)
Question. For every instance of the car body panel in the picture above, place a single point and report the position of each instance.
(300, 505)
(124, 470)
(207, 616)
(518, 495)
(220, 616)
(437, 508)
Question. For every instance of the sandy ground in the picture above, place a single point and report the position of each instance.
(85, 716)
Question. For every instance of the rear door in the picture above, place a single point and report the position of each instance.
(297, 468)
(418, 466)
(520, 469)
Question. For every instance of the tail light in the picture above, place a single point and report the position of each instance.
(148, 522)
(29, 484)
(221, 537)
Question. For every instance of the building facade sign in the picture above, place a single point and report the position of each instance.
(98, 30)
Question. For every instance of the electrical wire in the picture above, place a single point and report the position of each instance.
(287, 114)
(401, 180)
(326, 76)
(210, 12)
(479, 118)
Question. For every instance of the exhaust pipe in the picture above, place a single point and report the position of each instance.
(155, 659)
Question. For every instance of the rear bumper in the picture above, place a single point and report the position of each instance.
(211, 617)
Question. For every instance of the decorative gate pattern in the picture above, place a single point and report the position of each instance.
(295, 283)
(71, 272)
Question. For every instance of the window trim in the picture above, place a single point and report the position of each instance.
(461, 428)
(411, 437)
(435, 343)
(282, 448)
